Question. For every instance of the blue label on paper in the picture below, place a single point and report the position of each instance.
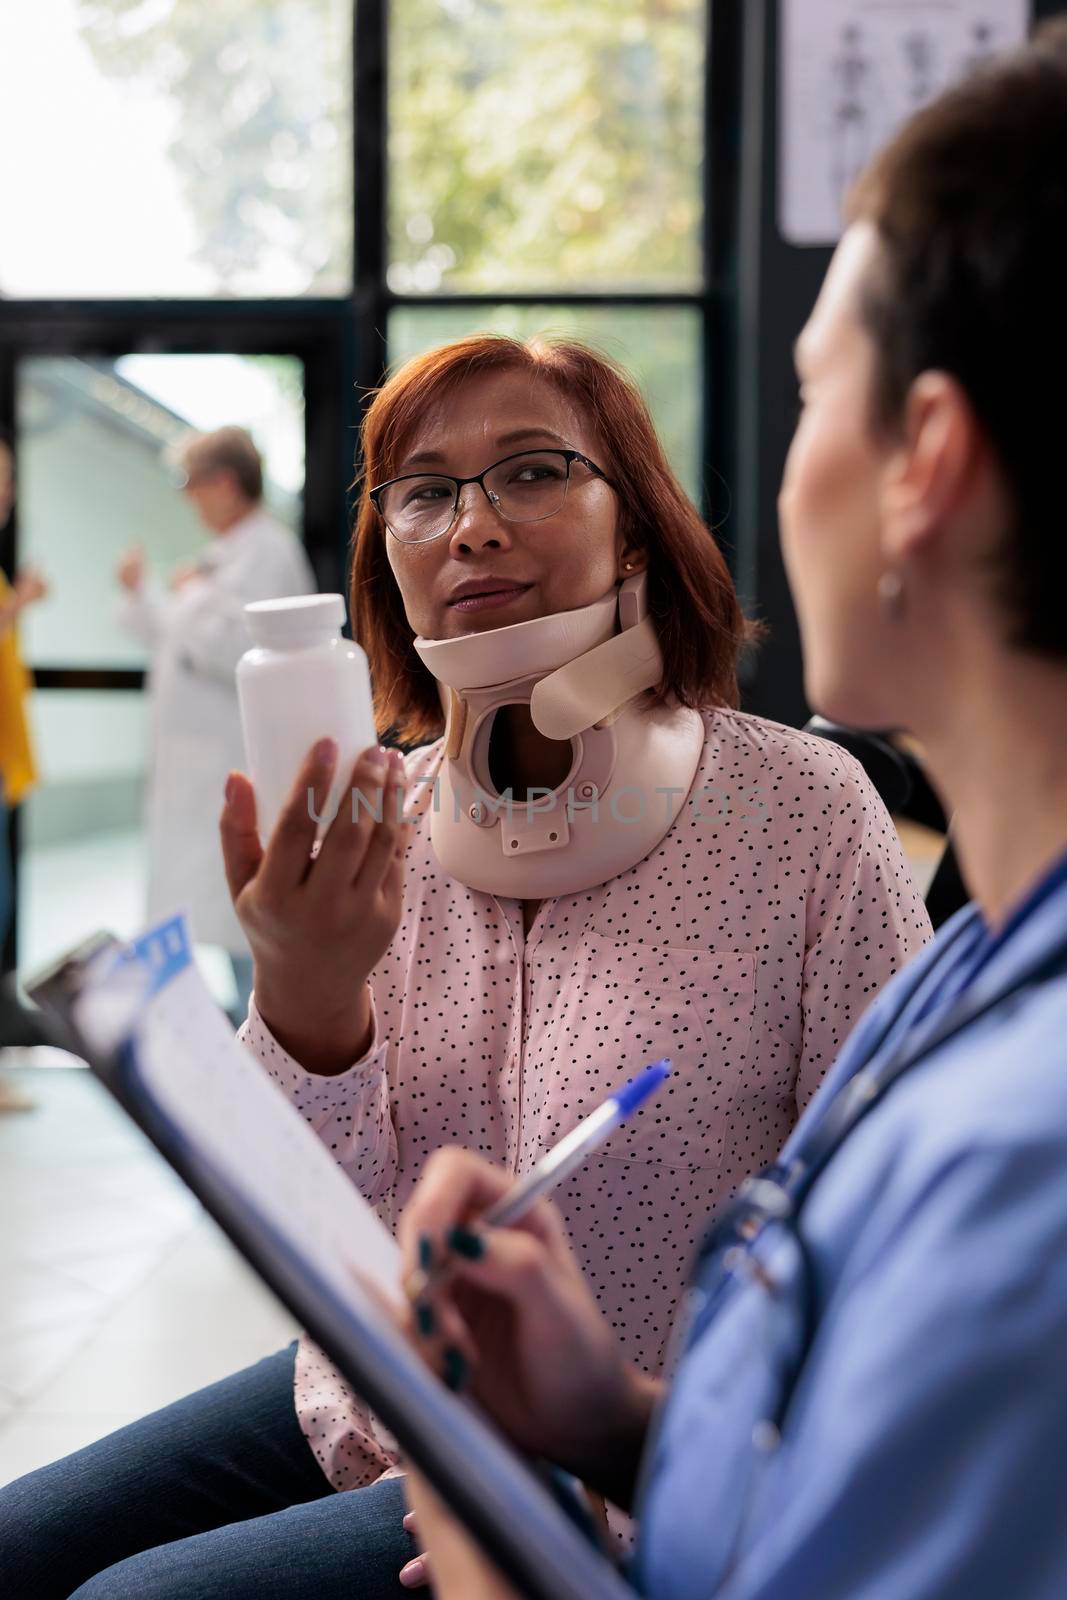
(164, 951)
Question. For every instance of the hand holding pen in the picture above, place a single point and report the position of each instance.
(543, 1177)
(505, 1312)
(475, 1243)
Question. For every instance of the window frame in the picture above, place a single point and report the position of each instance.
(342, 340)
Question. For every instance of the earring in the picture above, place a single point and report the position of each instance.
(891, 595)
(626, 566)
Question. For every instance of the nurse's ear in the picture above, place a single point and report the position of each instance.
(935, 473)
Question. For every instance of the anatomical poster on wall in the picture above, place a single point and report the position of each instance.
(850, 71)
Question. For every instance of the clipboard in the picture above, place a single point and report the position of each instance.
(136, 1014)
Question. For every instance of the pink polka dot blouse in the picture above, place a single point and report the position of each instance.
(744, 947)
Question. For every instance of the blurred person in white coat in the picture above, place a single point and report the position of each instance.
(196, 633)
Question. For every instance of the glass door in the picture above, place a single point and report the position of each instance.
(94, 476)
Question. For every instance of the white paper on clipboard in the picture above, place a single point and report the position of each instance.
(850, 72)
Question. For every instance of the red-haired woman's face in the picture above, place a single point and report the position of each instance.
(518, 570)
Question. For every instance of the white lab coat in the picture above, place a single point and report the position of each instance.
(196, 637)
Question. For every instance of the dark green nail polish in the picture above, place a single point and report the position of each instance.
(454, 1369)
(466, 1243)
(424, 1318)
(425, 1252)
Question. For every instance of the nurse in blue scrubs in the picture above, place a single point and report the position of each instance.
(871, 1397)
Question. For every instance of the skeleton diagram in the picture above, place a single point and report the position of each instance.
(855, 97)
(920, 60)
(982, 48)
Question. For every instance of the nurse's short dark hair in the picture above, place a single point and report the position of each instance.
(970, 203)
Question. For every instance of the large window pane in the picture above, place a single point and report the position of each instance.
(554, 145)
(175, 147)
(660, 347)
(93, 477)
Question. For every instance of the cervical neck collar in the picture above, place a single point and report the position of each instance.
(582, 673)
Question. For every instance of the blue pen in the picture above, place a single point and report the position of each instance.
(575, 1146)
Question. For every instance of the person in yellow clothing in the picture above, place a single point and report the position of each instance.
(17, 771)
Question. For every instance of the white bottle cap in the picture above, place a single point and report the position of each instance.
(295, 620)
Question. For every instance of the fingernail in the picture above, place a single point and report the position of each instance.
(409, 1521)
(229, 788)
(413, 1576)
(377, 757)
(425, 1252)
(325, 751)
(466, 1243)
(424, 1318)
(453, 1369)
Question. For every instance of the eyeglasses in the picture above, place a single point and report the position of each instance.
(527, 487)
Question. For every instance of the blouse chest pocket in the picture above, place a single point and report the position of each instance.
(696, 1007)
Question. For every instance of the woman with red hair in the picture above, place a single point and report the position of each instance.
(599, 861)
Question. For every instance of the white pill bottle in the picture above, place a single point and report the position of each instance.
(299, 683)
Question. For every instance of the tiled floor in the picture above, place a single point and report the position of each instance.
(117, 1293)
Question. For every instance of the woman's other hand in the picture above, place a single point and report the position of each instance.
(183, 574)
(318, 926)
(414, 1574)
(513, 1318)
(460, 1570)
(130, 570)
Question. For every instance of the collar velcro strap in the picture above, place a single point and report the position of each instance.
(599, 683)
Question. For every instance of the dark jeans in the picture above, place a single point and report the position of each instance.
(217, 1495)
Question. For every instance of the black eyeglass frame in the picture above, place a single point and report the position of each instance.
(569, 456)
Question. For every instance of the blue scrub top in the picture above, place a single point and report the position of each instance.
(912, 1340)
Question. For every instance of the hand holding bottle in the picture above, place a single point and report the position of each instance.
(319, 922)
